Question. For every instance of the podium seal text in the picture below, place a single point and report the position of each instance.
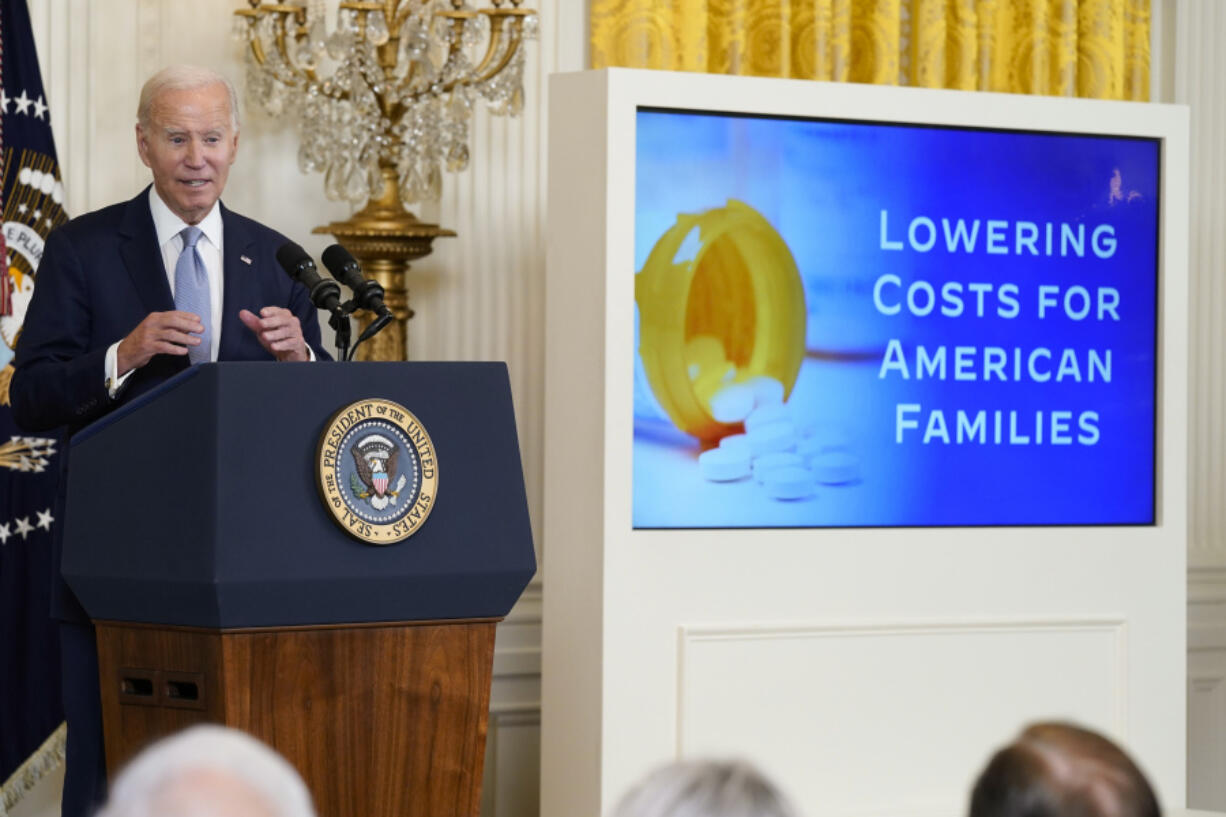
(377, 471)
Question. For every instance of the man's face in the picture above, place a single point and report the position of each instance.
(189, 145)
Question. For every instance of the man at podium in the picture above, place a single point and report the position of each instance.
(128, 296)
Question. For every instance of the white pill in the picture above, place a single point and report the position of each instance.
(788, 483)
(835, 467)
(815, 446)
(736, 442)
(807, 447)
(723, 465)
(821, 441)
(767, 391)
(732, 403)
(765, 415)
(830, 439)
(773, 462)
(772, 437)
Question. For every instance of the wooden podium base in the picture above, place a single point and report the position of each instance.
(382, 720)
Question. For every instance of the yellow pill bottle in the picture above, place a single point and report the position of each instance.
(720, 301)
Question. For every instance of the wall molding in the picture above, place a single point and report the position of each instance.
(513, 662)
(1206, 585)
(1205, 683)
(710, 658)
(505, 791)
(1208, 636)
(1114, 625)
(936, 626)
(526, 714)
(530, 606)
(1206, 612)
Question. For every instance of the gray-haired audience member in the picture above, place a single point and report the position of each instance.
(209, 771)
(705, 789)
(1061, 770)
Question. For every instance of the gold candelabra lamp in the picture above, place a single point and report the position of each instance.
(405, 76)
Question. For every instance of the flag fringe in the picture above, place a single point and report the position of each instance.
(48, 758)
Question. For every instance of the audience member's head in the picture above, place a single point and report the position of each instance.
(209, 771)
(1060, 770)
(705, 789)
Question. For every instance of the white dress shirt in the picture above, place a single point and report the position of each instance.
(168, 227)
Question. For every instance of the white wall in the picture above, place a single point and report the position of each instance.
(478, 297)
(1189, 67)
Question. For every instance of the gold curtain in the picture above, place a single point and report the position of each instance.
(1088, 48)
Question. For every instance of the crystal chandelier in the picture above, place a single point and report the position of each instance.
(405, 77)
(382, 105)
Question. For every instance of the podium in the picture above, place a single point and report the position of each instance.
(223, 590)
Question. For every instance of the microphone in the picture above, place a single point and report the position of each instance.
(344, 267)
(325, 294)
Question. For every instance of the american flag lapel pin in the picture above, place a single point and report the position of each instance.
(245, 260)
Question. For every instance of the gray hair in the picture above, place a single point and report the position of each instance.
(210, 752)
(183, 78)
(705, 789)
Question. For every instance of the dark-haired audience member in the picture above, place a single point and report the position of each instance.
(705, 789)
(1061, 770)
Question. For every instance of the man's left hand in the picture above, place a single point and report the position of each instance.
(279, 332)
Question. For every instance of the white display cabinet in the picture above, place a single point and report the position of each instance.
(870, 670)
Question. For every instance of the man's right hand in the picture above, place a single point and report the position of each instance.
(160, 333)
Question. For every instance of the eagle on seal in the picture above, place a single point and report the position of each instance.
(374, 457)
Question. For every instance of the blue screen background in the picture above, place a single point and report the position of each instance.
(823, 186)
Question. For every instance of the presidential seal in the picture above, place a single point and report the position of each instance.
(377, 471)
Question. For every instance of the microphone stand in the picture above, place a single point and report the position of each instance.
(339, 321)
(362, 297)
(340, 324)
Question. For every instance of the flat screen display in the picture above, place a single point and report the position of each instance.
(858, 324)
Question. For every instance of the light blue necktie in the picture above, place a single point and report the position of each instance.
(192, 292)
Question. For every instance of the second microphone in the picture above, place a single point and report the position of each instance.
(367, 294)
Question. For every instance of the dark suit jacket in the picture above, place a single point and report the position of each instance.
(99, 276)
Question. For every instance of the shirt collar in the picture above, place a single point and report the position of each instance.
(168, 225)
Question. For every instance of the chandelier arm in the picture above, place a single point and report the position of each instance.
(297, 74)
(280, 40)
(362, 6)
(457, 31)
(342, 96)
(400, 16)
(257, 51)
(517, 38)
(387, 57)
(457, 18)
(389, 12)
(408, 76)
(496, 30)
(261, 58)
(448, 87)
